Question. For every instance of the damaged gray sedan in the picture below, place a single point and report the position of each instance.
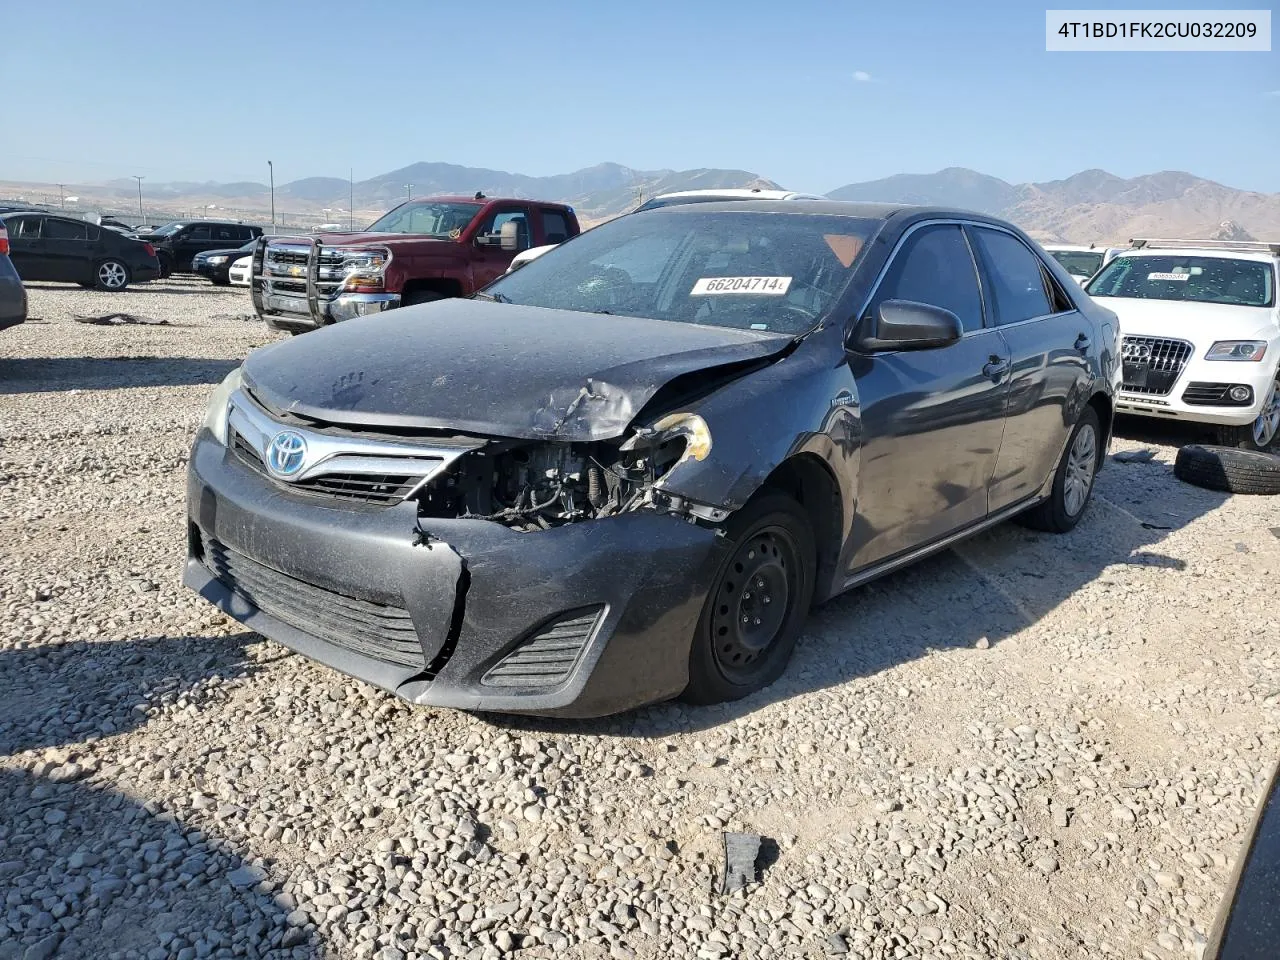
(625, 472)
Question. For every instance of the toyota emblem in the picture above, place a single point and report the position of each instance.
(286, 454)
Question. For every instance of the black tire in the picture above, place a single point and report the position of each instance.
(1228, 469)
(111, 275)
(221, 281)
(773, 543)
(420, 296)
(166, 267)
(1055, 514)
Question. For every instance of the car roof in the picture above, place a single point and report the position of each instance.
(840, 208)
(1077, 247)
(459, 198)
(1222, 253)
(748, 193)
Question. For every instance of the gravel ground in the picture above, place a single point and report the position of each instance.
(1029, 746)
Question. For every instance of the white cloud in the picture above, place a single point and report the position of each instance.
(862, 76)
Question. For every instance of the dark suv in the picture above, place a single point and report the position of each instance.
(178, 243)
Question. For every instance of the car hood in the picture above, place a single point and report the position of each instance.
(1200, 323)
(496, 369)
(234, 251)
(392, 240)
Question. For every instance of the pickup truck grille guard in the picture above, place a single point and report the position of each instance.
(267, 280)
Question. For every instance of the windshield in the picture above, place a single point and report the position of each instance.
(169, 229)
(1247, 283)
(445, 220)
(1078, 263)
(753, 271)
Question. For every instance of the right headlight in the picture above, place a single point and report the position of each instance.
(1237, 350)
(215, 414)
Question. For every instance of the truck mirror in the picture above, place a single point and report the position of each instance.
(509, 234)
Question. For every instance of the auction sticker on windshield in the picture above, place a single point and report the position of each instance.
(1168, 276)
(771, 286)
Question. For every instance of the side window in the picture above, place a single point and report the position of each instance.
(27, 228)
(198, 233)
(522, 226)
(1017, 277)
(55, 229)
(935, 266)
(555, 227)
(230, 234)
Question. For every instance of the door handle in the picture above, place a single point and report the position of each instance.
(1082, 343)
(996, 368)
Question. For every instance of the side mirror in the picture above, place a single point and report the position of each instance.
(907, 325)
(509, 236)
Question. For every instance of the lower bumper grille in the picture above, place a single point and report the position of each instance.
(1152, 365)
(1213, 395)
(549, 655)
(372, 629)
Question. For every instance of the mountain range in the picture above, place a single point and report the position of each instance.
(1092, 206)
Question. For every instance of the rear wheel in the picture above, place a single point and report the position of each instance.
(1072, 481)
(221, 281)
(111, 275)
(757, 603)
(1262, 433)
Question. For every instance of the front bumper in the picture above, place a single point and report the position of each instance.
(282, 312)
(476, 592)
(1191, 397)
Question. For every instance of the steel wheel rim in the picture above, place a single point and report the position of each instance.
(752, 602)
(1268, 422)
(111, 274)
(1082, 461)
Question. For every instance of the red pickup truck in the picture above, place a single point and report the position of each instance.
(422, 250)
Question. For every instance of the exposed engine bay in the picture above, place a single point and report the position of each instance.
(532, 486)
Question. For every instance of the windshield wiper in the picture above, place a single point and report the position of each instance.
(495, 297)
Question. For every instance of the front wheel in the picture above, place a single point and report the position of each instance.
(420, 296)
(112, 275)
(1072, 481)
(1260, 434)
(757, 603)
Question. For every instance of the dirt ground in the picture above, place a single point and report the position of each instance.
(1028, 746)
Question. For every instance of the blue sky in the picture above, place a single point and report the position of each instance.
(813, 95)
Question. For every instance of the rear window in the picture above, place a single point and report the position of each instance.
(65, 230)
(1244, 283)
(1078, 263)
(555, 228)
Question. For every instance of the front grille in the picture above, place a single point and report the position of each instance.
(375, 488)
(372, 629)
(549, 655)
(1152, 365)
(1213, 395)
(364, 487)
(287, 267)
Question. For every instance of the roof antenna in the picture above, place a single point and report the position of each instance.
(479, 195)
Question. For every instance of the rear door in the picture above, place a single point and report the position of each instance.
(1048, 351)
(196, 238)
(932, 419)
(68, 249)
(27, 249)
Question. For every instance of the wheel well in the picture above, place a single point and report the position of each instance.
(1101, 404)
(450, 288)
(808, 481)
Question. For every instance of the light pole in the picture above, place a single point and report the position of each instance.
(139, 179)
(409, 187)
(351, 198)
(272, 171)
(62, 196)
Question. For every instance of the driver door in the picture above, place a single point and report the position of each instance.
(491, 261)
(932, 420)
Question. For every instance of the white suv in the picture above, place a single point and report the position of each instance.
(1200, 334)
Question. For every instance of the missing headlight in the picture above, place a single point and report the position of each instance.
(537, 486)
